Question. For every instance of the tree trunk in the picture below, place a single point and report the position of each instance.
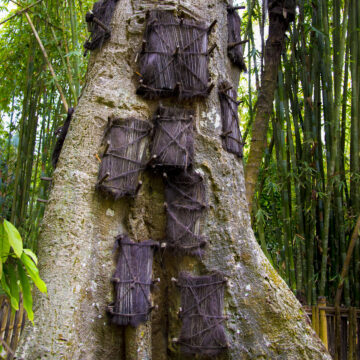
(265, 321)
(273, 49)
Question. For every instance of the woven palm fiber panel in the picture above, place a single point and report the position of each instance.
(202, 302)
(231, 135)
(98, 21)
(174, 57)
(61, 132)
(173, 141)
(132, 282)
(235, 51)
(126, 142)
(185, 206)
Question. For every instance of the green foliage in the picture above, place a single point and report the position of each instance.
(17, 265)
(30, 112)
(308, 195)
(30, 106)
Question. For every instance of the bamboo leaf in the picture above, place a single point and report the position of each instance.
(14, 238)
(72, 53)
(318, 31)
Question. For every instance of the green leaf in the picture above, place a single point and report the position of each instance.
(32, 255)
(14, 238)
(14, 303)
(14, 287)
(4, 245)
(318, 31)
(6, 288)
(26, 291)
(33, 272)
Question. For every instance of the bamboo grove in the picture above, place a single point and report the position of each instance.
(30, 104)
(307, 196)
(306, 201)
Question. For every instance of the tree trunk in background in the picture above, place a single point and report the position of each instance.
(76, 246)
(273, 49)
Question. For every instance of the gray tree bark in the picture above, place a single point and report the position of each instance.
(76, 245)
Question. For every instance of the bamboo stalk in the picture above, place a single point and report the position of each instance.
(283, 170)
(20, 323)
(292, 91)
(352, 334)
(4, 189)
(5, 311)
(327, 87)
(346, 265)
(346, 200)
(9, 328)
(7, 347)
(14, 333)
(68, 71)
(300, 234)
(35, 176)
(307, 80)
(339, 192)
(323, 323)
(317, 320)
(251, 116)
(18, 190)
(337, 333)
(68, 65)
(66, 107)
(314, 318)
(355, 128)
(29, 151)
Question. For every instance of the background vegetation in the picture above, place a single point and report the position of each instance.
(307, 199)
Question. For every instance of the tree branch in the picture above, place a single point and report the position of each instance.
(20, 12)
